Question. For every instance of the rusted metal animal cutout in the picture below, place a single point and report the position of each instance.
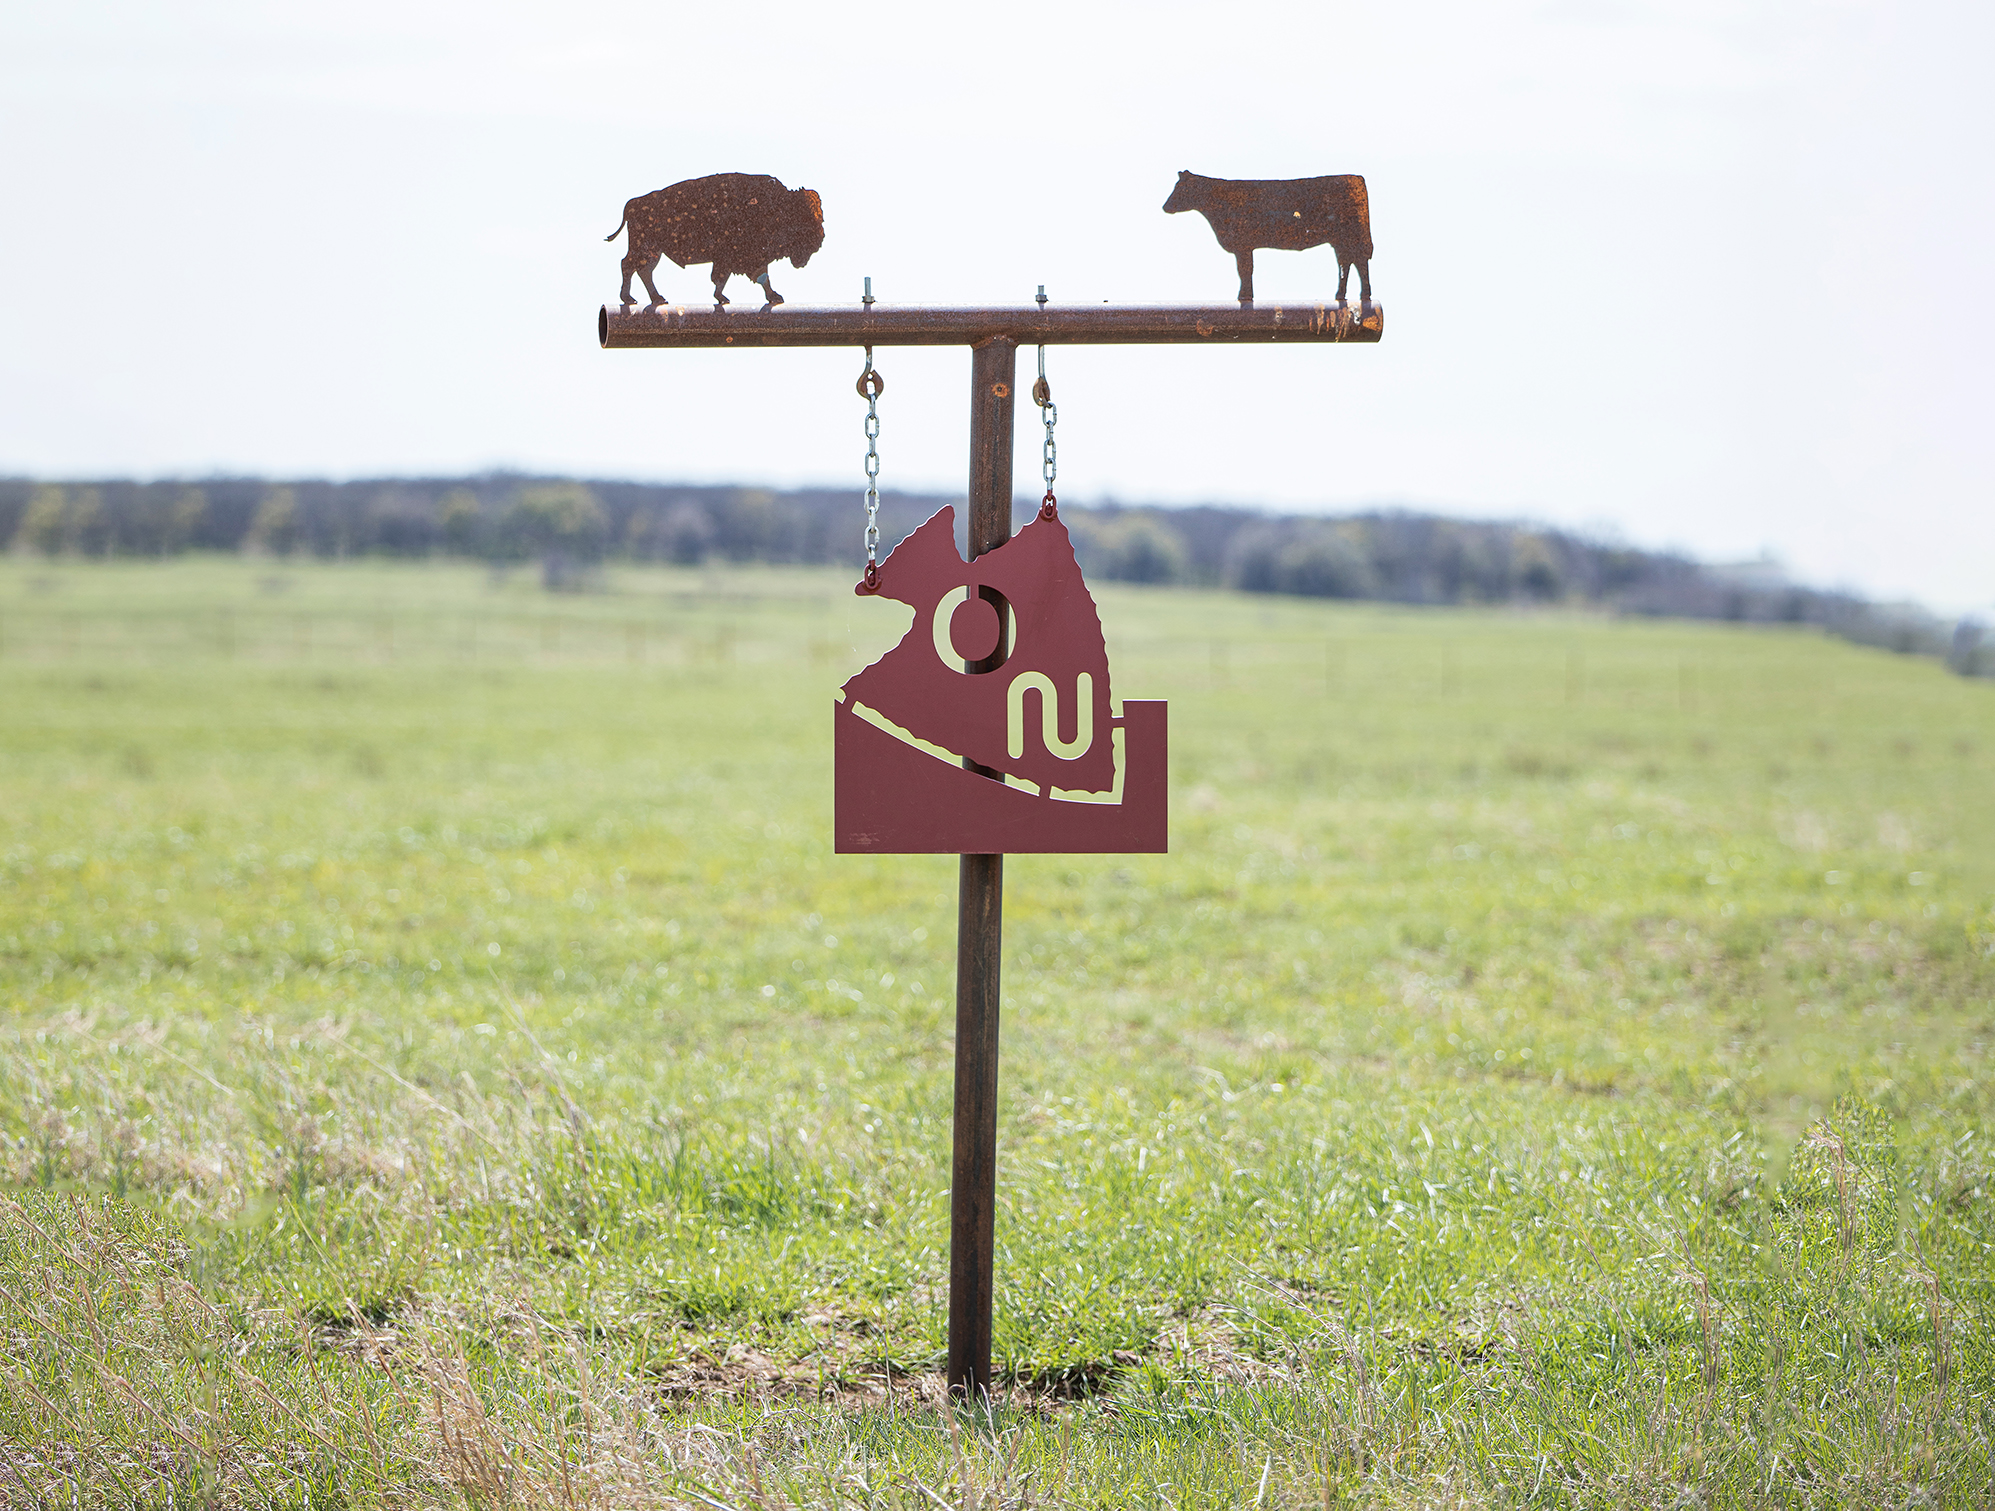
(990, 728)
(739, 222)
(1287, 215)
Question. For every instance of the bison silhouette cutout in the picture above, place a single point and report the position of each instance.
(1286, 215)
(739, 222)
(991, 728)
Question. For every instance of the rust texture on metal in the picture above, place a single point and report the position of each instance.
(671, 325)
(1286, 215)
(739, 222)
(961, 699)
(973, 1163)
(979, 934)
(894, 798)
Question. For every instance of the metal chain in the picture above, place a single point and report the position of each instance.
(871, 385)
(1049, 451)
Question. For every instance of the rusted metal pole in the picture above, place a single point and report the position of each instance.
(624, 326)
(979, 937)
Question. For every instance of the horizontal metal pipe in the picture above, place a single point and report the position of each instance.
(620, 326)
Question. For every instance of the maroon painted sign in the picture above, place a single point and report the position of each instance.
(991, 727)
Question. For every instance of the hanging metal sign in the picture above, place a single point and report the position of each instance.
(992, 728)
(960, 740)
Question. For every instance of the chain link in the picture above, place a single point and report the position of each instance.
(871, 385)
(1049, 451)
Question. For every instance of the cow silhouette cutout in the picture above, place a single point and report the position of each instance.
(991, 728)
(739, 222)
(1287, 215)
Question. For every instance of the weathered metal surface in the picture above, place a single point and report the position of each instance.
(979, 932)
(1080, 325)
(1284, 214)
(965, 738)
(973, 1153)
(893, 799)
(739, 222)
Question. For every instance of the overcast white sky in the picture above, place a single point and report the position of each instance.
(1706, 275)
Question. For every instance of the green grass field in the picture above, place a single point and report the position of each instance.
(442, 1063)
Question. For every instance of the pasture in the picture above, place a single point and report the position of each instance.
(442, 1063)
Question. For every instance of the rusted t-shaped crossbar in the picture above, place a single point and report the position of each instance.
(994, 336)
(1084, 325)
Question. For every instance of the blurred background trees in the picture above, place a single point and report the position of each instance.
(274, 527)
(562, 524)
(570, 527)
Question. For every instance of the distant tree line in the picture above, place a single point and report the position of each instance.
(570, 527)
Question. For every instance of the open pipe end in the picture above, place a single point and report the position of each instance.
(603, 326)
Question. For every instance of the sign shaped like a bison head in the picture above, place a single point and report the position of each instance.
(739, 222)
